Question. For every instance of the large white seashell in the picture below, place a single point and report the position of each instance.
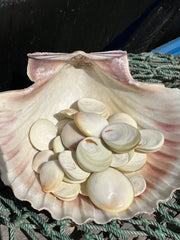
(60, 81)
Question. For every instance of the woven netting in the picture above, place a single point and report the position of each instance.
(163, 224)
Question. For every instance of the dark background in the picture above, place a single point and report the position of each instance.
(90, 25)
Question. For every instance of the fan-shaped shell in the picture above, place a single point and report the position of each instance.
(60, 81)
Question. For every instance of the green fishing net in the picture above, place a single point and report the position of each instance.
(164, 224)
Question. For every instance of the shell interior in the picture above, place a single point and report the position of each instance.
(60, 81)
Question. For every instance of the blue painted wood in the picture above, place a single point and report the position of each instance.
(172, 47)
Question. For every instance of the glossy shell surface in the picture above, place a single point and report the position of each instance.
(60, 80)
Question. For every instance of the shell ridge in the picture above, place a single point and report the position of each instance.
(34, 189)
(45, 68)
(168, 171)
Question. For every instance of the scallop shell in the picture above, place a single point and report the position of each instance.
(60, 80)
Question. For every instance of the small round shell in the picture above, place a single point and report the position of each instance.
(71, 135)
(40, 158)
(110, 190)
(67, 191)
(138, 182)
(70, 167)
(90, 124)
(68, 180)
(92, 156)
(83, 190)
(61, 123)
(121, 137)
(151, 140)
(57, 145)
(41, 134)
(93, 105)
(50, 175)
(120, 159)
(122, 118)
(137, 162)
(69, 113)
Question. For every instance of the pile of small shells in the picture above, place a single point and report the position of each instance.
(95, 155)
